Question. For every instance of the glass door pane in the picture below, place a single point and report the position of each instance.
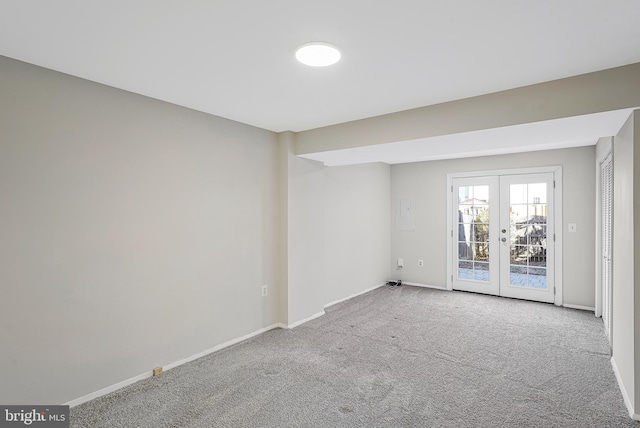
(473, 233)
(528, 240)
(476, 262)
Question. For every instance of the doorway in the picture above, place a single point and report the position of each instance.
(503, 234)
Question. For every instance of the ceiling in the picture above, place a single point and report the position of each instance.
(235, 59)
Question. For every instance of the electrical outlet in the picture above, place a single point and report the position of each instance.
(400, 263)
(265, 290)
(157, 371)
(421, 263)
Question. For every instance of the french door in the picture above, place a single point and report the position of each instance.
(504, 235)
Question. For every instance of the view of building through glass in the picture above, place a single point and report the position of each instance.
(527, 234)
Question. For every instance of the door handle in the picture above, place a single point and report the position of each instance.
(504, 239)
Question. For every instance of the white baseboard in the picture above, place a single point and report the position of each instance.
(132, 380)
(625, 396)
(415, 284)
(108, 389)
(335, 302)
(582, 308)
(219, 347)
(319, 314)
(312, 317)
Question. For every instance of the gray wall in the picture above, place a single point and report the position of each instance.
(624, 313)
(426, 182)
(358, 243)
(134, 233)
(612, 89)
(307, 238)
(338, 234)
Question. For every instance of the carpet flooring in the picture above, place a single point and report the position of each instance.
(393, 357)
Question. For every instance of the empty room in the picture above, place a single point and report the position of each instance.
(268, 214)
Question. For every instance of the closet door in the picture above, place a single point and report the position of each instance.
(606, 216)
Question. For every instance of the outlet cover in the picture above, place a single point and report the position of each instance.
(421, 263)
(157, 371)
(265, 290)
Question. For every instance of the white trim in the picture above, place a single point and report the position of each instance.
(625, 396)
(335, 302)
(319, 314)
(132, 380)
(512, 171)
(449, 231)
(558, 208)
(219, 347)
(582, 308)
(415, 284)
(312, 317)
(108, 389)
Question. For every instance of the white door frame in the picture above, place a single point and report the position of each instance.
(557, 178)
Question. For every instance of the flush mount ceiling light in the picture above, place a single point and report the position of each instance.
(318, 54)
